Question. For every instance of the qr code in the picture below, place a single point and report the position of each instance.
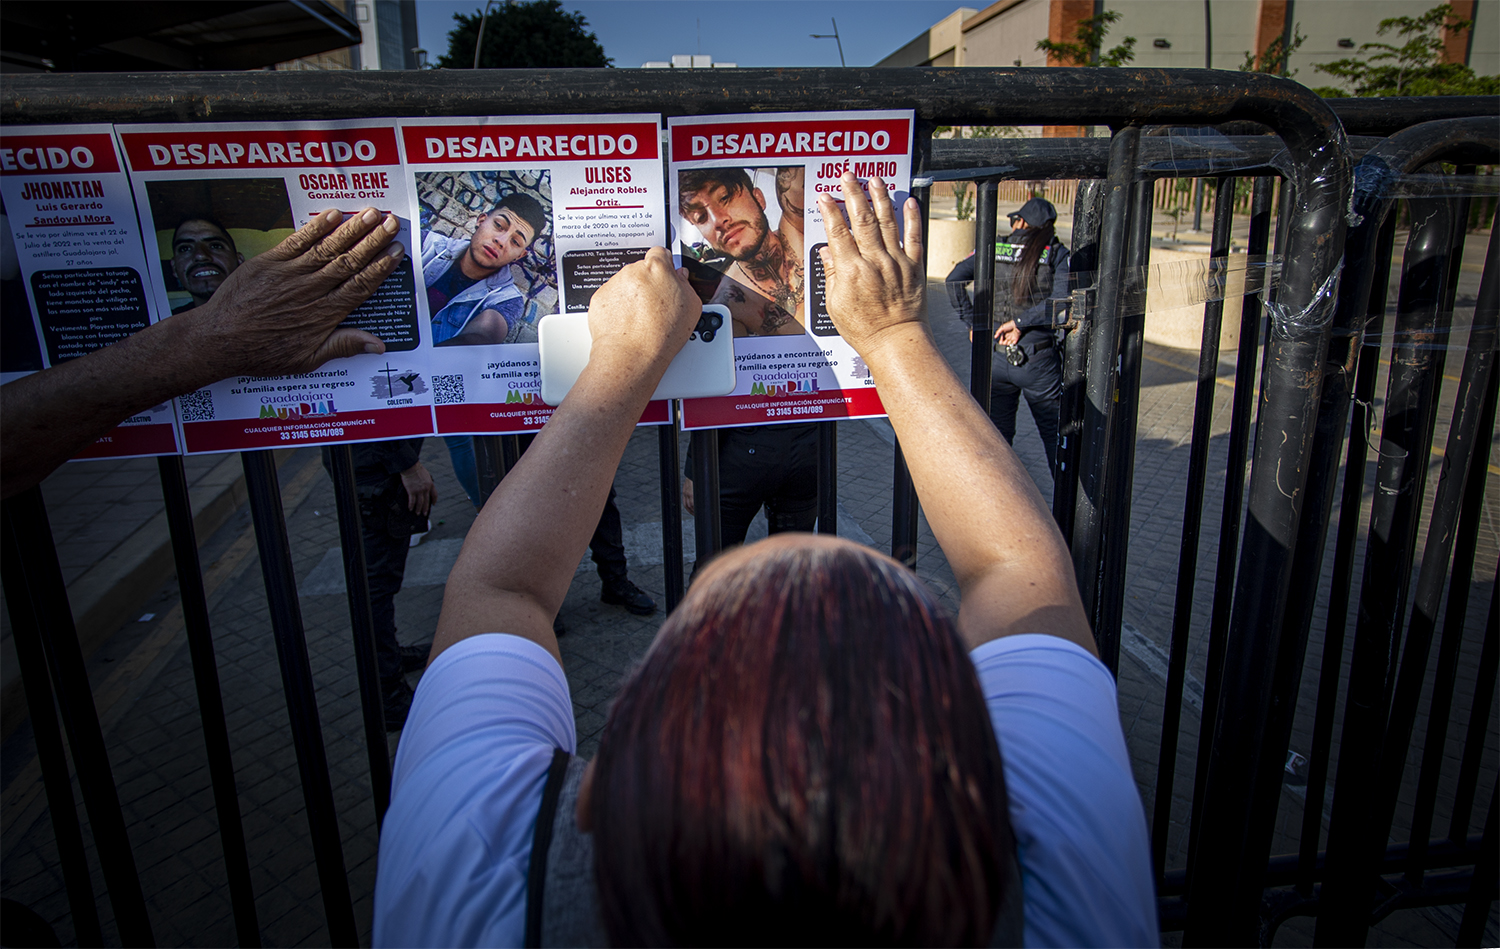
(446, 390)
(197, 406)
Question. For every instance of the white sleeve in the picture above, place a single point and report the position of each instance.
(473, 759)
(1080, 829)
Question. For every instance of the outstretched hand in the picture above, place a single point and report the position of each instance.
(644, 313)
(876, 286)
(280, 311)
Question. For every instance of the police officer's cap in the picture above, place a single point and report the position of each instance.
(1036, 213)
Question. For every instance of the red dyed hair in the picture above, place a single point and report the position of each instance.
(805, 757)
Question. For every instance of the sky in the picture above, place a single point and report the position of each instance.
(745, 32)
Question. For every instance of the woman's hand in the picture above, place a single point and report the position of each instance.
(280, 311)
(876, 286)
(644, 314)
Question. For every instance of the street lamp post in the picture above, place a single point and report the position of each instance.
(832, 36)
(483, 18)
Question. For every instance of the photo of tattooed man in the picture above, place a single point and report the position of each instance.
(742, 248)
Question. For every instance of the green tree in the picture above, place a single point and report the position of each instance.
(1413, 68)
(1278, 53)
(530, 34)
(1089, 42)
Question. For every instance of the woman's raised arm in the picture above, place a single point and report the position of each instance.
(1013, 569)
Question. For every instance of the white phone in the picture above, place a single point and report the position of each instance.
(704, 367)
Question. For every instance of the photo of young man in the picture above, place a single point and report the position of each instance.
(471, 273)
(763, 282)
(203, 257)
(207, 227)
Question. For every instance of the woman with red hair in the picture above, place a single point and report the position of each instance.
(813, 750)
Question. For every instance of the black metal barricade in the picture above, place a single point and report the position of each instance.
(1307, 360)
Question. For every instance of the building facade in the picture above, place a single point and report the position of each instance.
(1216, 34)
(388, 39)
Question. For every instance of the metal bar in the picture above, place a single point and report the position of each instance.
(179, 509)
(904, 505)
(1088, 209)
(1360, 310)
(706, 521)
(1466, 459)
(301, 699)
(1312, 532)
(1282, 869)
(512, 447)
(904, 508)
(1198, 189)
(1120, 455)
(1100, 382)
(1226, 888)
(828, 478)
(1366, 355)
(1400, 476)
(981, 335)
(1401, 153)
(1204, 157)
(1387, 115)
(973, 95)
(1234, 492)
(1447, 499)
(43, 580)
(1192, 521)
(670, 466)
(16, 548)
(1479, 720)
(1486, 872)
(489, 465)
(362, 624)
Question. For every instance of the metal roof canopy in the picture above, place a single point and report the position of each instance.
(104, 36)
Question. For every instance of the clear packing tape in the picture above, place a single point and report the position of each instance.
(1180, 284)
(1169, 285)
(1177, 291)
(1188, 154)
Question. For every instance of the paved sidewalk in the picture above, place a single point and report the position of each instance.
(144, 685)
(109, 527)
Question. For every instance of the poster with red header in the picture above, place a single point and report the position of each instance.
(73, 267)
(519, 218)
(212, 197)
(744, 192)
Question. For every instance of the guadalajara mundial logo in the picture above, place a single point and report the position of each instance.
(323, 406)
(790, 387)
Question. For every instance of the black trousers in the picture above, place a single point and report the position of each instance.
(1040, 380)
(385, 568)
(773, 466)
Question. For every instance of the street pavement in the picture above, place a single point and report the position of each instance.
(143, 677)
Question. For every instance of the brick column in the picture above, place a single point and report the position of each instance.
(1270, 24)
(1456, 42)
(1063, 17)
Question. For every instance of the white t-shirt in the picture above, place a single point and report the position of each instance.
(473, 759)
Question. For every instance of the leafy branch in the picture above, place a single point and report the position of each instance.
(1413, 66)
(1086, 50)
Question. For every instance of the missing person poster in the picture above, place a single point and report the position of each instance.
(747, 227)
(212, 197)
(72, 265)
(520, 218)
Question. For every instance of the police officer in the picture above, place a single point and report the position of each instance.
(1031, 265)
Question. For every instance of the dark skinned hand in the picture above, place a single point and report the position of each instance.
(280, 311)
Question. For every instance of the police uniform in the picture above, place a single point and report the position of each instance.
(1039, 377)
